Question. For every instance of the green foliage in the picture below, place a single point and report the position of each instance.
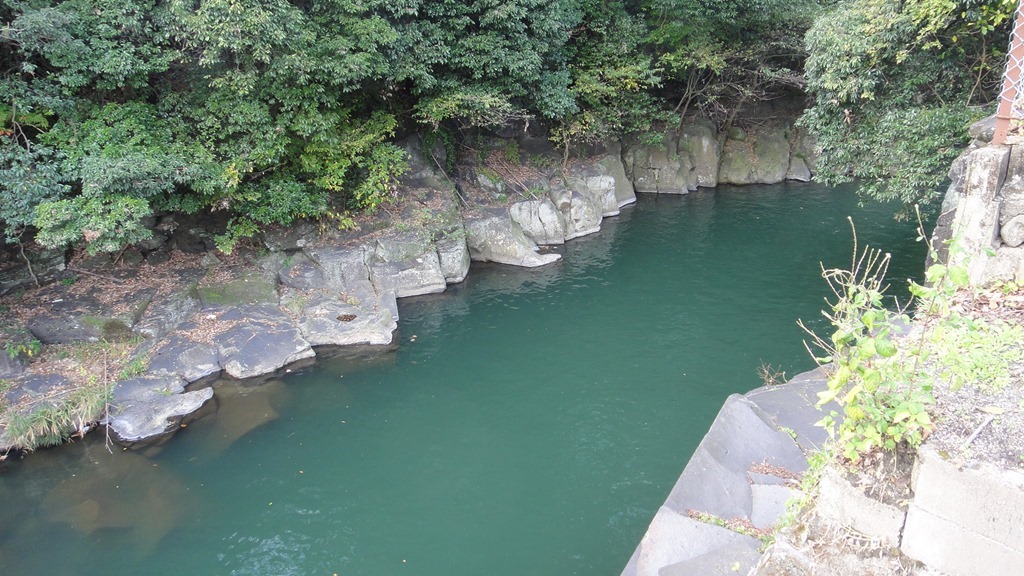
(105, 223)
(883, 380)
(894, 84)
(878, 384)
(52, 422)
(717, 54)
(275, 110)
(28, 177)
(18, 341)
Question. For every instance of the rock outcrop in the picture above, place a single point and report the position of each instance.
(697, 155)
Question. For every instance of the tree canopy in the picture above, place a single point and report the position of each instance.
(895, 84)
(272, 110)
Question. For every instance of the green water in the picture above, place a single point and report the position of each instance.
(526, 422)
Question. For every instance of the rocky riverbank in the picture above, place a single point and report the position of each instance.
(130, 340)
(750, 502)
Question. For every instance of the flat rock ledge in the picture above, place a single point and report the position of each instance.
(958, 522)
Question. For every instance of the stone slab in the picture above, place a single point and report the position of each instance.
(715, 479)
(768, 503)
(843, 504)
(987, 501)
(138, 421)
(731, 560)
(183, 357)
(674, 537)
(792, 406)
(944, 546)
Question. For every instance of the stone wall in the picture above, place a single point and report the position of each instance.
(983, 210)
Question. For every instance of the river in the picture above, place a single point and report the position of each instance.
(525, 422)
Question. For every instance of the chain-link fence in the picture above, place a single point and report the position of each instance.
(1010, 116)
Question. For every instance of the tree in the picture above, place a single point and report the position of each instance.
(895, 84)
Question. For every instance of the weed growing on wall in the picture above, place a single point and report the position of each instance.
(881, 376)
(882, 372)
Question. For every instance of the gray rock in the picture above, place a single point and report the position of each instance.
(845, 505)
(407, 264)
(798, 170)
(419, 275)
(289, 238)
(661, 168)
(768, 503)
(253, 287)
(423, 164)
(453, 255)
(699, 140)
(791, 407)
(12, 365)
(715, 479)
(611, 165)
(673, 538)
(1012, 233)
(763, 158)
(193, 240)
(334, 299)
(730, 560)
(146, 388)
(327, 320)
(540, 220)
(36, 385)
(983, 130)
(402, 246)
(261, 346)
(138, 422)
(583, 217)
(48, 264)
(182, 357)
(492, 236)
(63, 327)
(168, 313)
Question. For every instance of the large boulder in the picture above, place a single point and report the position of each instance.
(84, 318)
(540, 220)
(758, 158)
(453, 256)
(48, 264)
(492, 236)
(698, 139)
(583, 216)
(167, 313)
(330, 293)
(407, 264)
(188, 359)
(660, 168)
(148, 408)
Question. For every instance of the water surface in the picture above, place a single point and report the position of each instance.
(526, 422)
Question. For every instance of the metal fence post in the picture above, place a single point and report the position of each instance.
(1011, 103)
